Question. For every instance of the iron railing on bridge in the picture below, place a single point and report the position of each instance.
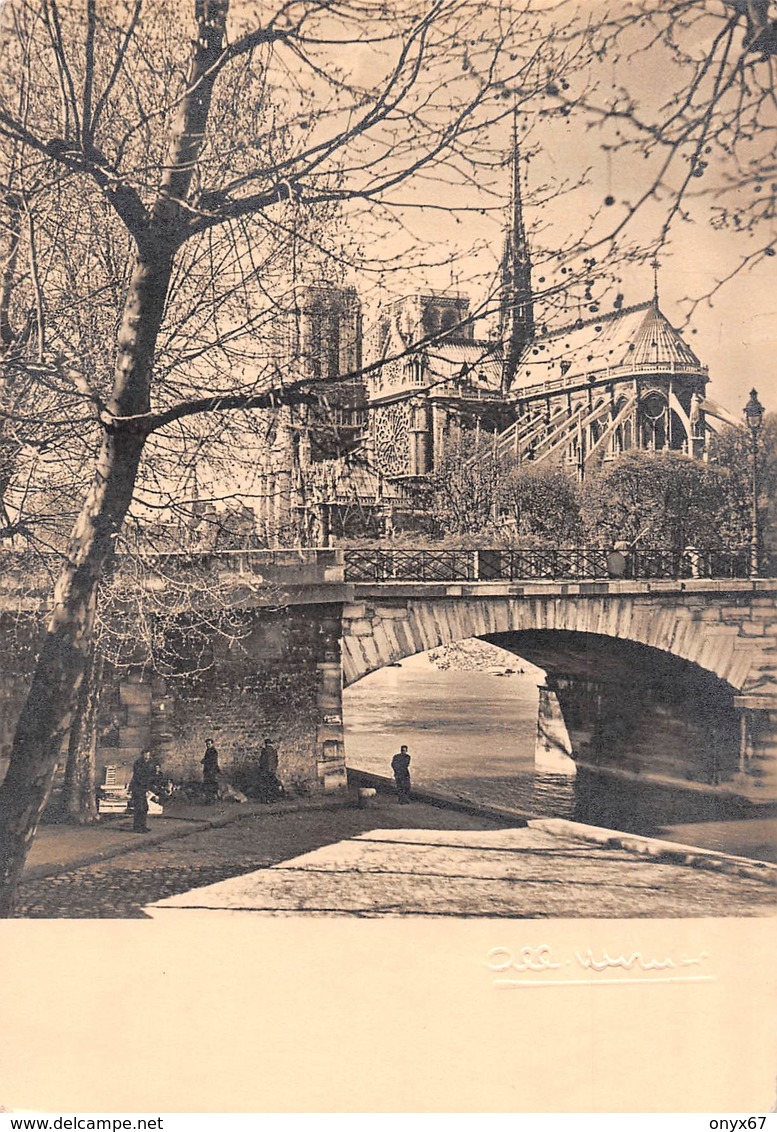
(558, 564)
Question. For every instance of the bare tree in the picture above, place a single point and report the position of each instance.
(686, 91)
(79, 801)
(212, 146)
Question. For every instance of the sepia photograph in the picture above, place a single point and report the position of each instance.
(388, 555)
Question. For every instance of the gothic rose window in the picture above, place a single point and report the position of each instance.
(392, 440)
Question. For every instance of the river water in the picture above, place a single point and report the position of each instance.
(471, 734)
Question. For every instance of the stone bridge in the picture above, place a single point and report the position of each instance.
(315, 631)
(727, 629)
(725, 626)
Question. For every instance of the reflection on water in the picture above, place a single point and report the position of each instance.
(473, 734)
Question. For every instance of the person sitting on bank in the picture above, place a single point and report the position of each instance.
(210, 772)
(270, 788)
(144, 775)
(400, 764)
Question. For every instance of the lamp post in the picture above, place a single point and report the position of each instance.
(754, 416)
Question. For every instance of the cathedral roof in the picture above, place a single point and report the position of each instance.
(639, 338)
(474, 364)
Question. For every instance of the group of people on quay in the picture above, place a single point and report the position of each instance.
(147, 782)
(266, 785)
(147, 779)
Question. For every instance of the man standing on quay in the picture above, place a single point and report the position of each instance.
(400, 764)
(143, 778)
(210, 772)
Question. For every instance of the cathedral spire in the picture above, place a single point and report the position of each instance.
(655, 266)
(516, 320)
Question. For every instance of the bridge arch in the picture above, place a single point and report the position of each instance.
(730, 633)
(721, 638)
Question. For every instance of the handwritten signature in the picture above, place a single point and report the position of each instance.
(503, 961)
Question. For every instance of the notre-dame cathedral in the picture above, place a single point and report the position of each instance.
(424, 384)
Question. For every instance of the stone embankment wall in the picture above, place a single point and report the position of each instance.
(279, 676)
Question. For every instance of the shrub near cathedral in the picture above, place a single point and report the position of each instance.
(659, 500)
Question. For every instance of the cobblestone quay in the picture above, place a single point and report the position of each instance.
(543, 875)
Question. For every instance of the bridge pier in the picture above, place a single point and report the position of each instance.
(756, 777)
(553, 749)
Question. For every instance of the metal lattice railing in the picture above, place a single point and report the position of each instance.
(410, 565)
(556, 564)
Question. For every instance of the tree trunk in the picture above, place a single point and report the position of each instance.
(48, 711)
(51, 703)
(80, 802)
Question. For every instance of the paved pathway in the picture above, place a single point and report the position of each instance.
(387, 860)
(60, 846)
(142, 869)
(525, 873)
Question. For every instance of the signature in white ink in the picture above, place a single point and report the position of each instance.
(504, 961)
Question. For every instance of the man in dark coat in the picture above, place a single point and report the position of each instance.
(210, 772)
(144, 774)
(400, 764)
(270, 788)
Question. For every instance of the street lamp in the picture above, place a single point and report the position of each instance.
(754, 416)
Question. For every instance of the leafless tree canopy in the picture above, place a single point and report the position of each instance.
(687, 90)
(321, 126)
(169, 173)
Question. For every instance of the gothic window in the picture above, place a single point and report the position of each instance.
(332, 344)
(653, 414)
(653, 434)
(312, 342)
(621, 439)
(413, 371)
(392, 439)
(653, 406)
(322, 340)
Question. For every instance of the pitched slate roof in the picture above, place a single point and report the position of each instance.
(637, 338)
(474, 364)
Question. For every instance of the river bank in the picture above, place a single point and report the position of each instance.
(469, 717)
